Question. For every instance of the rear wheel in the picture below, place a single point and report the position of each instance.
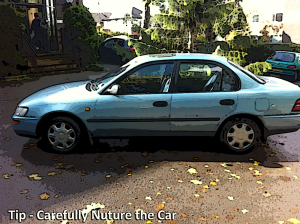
(62, 134)
(240, 135)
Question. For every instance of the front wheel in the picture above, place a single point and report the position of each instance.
(62, 134)
(240, 135)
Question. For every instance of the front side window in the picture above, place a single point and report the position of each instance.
(204, 77)
(150, 79)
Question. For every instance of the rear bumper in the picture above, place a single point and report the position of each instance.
(284, 72)
(26, 127)
(280, 124)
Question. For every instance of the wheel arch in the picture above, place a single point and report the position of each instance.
(256, 119)
(47, 117)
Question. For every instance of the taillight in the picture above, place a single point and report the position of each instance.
(15, 122)
(132, 49)
(296, 106)
(291, 66)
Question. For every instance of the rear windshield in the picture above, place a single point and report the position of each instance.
(282, 56)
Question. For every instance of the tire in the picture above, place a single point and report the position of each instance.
(235, 140)
(67, 138)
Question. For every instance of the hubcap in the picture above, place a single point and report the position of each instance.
(240, 136)
(61, 135)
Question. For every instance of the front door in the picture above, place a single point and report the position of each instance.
(205, 93)
(141, 108)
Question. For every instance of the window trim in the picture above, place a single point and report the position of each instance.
(140, 67)
(237, 86)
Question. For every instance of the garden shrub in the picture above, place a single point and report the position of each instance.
(81, 29)
(235, 56)
(12, 61)
(259, 68)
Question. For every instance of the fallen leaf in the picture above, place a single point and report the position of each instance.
(171, 221)
(285, 179)
(267, 194)
(145, 154)
(259, 182)
(6, 176)
(203, 190)
(251, 168)
(296, 177)
(196, 182)
(256, 163)
(206, 186)
(158, 193)
(52, 173)
(251, 159)
(213, 183)
(129, 203)
(261, 187)
(288, 168)
(294, 221)
(180, 181)
(44, 196)
(28, 197)
(159, 207)
(237, 177)
(220, 196)
(19, 164)
(230, 198)
(109, 221)
(184, 215)
(148, 198)
(206, 166)
(235, 209)
(232, 174)
(244, 211)
(294, 210)
(24, 191)
(253, 196)
(280, 222)
(146, 167)
(228, 171)
(257, 173)
(224, 164)
(230, 217)
(149, 221)
(108, 176)
(202, 219)
(172, 169)
(56, 196)
(192, 170)
(64, 222)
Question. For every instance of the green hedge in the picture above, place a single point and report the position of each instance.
(12, 61)
(259, 68)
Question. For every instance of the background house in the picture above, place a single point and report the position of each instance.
(274, 19)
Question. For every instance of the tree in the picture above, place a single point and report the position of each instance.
(147, 10)
(189, 16)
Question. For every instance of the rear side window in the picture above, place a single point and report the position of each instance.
(282, 56)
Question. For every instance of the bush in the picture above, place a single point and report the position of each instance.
(259, 68)
(81, 29)
(209, 48)
(240, 43)
(235, 56)
(12, 60)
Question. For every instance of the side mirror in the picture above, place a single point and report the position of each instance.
(113, 90)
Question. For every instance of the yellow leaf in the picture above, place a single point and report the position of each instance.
(224, 165)
(109, 221)
(151, 161)
(288, 168)
(267, 195)
(228, 171)
(146, 167)
(232, 174)
(51, 173)
(172, 169)
(238, 177)
(44, 196)
(251, 159)
(56, 196)
(148, 198)
(206, 166)
(6, 176)
(296, 177)
(60, 164)
(294, 221)
(280, 222)
(149, 221)
(64, 222)
(217, 180)
(213, 183)
(33, 175)
(251, 168)
(24, 192)
(230, 198)
(259, 182)
(19, 164)
(206, 186)
(108, 176)
(244, 211)
(196, 195)
(256, 163)
(180, 181)
(38, 178)
(129, 203)
(158, 193)
(192, 171)
(196, 182)
(159, 207)
(261, 187)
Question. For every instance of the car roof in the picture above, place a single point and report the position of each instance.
(288, 52)
(119, 37)
(179, 56)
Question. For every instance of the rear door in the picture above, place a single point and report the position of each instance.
(205, 92)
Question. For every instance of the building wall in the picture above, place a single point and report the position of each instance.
(292, 20)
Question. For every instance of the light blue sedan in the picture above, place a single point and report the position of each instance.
(163, 95)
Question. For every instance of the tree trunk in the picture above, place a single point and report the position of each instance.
(191, 35)
(147, 15)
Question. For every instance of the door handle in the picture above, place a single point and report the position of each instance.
(227, 102)
(160, 104)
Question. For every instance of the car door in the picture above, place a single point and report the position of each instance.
(205, 92)
(142, 105)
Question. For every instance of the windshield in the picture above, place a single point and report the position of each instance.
(245, 71)
(282, 56)
(109, 76)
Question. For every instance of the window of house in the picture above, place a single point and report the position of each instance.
(279, 17)
(255, 18)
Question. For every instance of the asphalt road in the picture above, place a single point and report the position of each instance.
(150, 175)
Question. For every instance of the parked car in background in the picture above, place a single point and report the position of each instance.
(108, 53)
(285, 65)
(163, 95)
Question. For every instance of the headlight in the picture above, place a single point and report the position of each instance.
(21, 111)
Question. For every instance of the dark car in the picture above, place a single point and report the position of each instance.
(108, 53)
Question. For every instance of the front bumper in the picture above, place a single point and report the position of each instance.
(280, 124)
(26, 126)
